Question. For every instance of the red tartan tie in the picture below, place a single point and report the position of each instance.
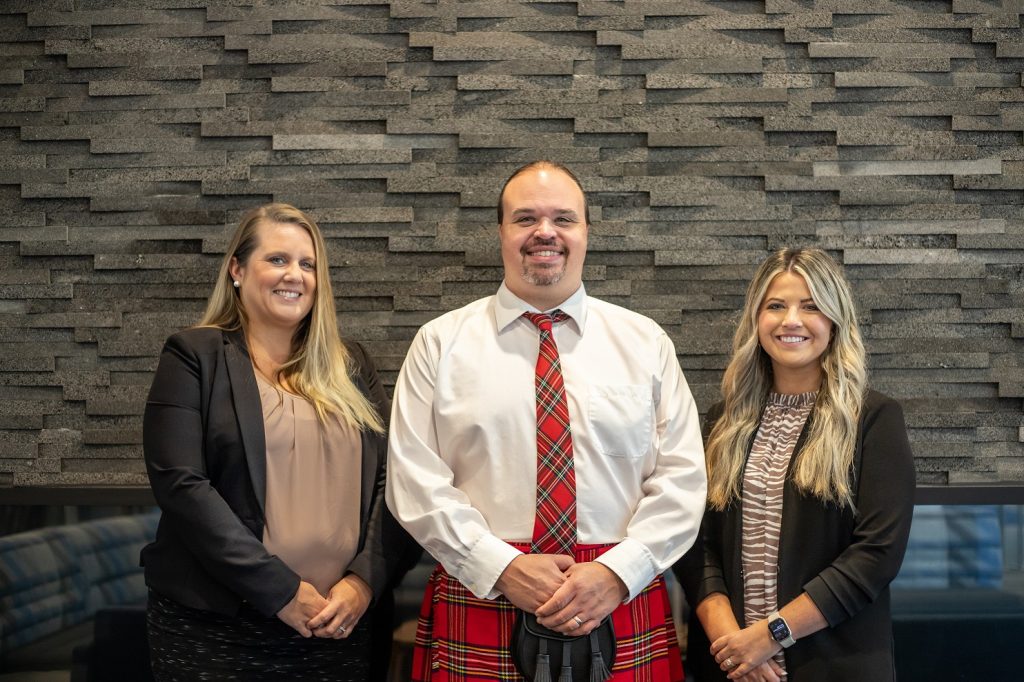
(554, 527)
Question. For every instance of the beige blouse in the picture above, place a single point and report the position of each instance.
(313, 488)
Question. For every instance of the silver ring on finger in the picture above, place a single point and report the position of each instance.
(342, 629)
(579, 622)
(729, 664)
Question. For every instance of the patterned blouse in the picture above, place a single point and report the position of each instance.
(763, 478)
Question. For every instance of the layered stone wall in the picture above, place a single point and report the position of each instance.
(133, 134)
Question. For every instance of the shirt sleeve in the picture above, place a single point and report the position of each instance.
(420, 483)
(884, 507)
(668, 516)
(700, 571)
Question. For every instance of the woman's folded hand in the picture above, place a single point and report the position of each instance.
(306, 604)
(346, 604)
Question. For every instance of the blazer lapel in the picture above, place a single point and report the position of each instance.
(245, 395)
(734, 530)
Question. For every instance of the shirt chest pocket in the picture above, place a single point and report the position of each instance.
(621, 419)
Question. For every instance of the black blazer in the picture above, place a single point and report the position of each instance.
(205, 453)
(844, 561)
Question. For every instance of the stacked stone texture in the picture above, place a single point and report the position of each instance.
(133, 135)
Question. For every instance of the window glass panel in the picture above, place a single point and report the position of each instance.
(958, 602)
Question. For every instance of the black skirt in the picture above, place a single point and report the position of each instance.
(190, 644)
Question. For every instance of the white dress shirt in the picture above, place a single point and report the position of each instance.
(462, 463)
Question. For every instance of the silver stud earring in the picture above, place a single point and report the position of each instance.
(237, 284)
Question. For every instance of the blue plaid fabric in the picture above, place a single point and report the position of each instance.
(57, 577)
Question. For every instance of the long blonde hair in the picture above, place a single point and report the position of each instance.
(823, 465)
(317, 368)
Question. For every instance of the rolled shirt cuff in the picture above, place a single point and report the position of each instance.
(633, 563)
(484, 564)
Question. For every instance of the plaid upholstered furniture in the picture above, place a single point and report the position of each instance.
(54, 580)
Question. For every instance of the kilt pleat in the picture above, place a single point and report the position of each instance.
(462, 638)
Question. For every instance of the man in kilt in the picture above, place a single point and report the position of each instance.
(545, 449)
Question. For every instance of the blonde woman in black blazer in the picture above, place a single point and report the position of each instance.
(843, 506)
(221, 605)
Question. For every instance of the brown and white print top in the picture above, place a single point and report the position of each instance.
(763, 478)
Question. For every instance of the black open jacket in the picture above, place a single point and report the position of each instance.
(205, 452)
(843, 560)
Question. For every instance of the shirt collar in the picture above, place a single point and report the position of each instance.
(508, 308)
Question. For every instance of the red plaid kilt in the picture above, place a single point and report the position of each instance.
(461, 638)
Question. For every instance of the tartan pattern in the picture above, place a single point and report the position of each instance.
(461, 638)
(554, 527)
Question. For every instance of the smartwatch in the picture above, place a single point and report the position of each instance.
(779, 630)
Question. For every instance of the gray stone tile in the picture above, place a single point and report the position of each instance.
(131, 140)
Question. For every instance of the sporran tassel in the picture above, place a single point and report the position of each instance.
(543, 668)
(599, 672)
(566, 675)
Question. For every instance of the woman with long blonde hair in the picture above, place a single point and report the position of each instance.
(810, 492)
(265, 447)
